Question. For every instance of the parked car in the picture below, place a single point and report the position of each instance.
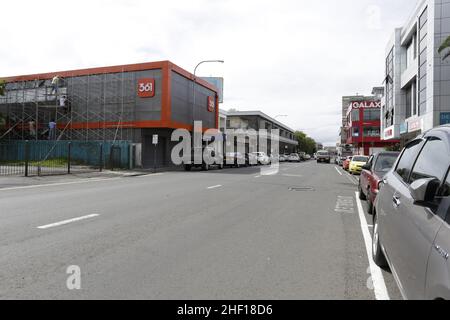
(284, 157)
(205, 165)
(372, 173)
(412, 218)
(323, 156)
(263, 158)
(235, 159)
(294, 157)
(307, 157)
(302, 156)
(346, 163)
(251, 159)
(356, 164)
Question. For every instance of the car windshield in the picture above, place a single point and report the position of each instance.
(360, 159)
(385, 162)
(322, 153)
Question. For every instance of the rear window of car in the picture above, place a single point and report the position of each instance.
(385, 162)
(433, 161)
(323, 153)
(360, 159)
(407, 159)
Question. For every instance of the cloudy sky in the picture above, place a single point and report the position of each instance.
(284, 57)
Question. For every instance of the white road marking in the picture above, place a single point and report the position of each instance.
(58, 184)
(379, 285)
(292, 175)
(214, 187)
(257, 177)
(344, 205)
(57, 224)
(338, 171)
(150, 175)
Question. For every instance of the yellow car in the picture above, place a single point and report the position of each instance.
(357, 163)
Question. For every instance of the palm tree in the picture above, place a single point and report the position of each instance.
(2, 87)
(445, 45)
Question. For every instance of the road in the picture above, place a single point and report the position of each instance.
(231, 234)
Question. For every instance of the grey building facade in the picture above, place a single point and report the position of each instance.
(417, 80)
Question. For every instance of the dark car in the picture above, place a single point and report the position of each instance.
(372, 173)
(412, 218)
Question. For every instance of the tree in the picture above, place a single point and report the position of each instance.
(305, 143)
(2, 87)
(445, 45)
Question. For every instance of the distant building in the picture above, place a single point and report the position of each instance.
(347, 101)
(363, 127)
(223, 116)
(257, 120)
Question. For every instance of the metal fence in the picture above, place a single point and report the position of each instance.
(38, 158)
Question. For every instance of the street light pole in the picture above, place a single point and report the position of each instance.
(195, 81)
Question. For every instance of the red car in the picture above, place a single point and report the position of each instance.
(346, 163)
(372, 173)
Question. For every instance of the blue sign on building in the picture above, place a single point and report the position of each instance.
(404, 128)
(445, 118)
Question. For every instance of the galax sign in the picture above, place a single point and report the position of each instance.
(366, 105)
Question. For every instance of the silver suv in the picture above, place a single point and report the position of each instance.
(412, 218)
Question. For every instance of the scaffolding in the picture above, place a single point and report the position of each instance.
(84, 108)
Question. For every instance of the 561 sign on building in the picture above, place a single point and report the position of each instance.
(146, 88)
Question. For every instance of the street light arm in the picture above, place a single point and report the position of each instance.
(206, 61)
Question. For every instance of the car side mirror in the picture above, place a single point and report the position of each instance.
(366, 167)
(424, 191)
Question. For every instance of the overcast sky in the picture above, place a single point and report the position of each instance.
(294, 58)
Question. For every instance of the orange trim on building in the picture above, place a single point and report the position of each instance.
(129, 124)
(112, 69)
(166, 68)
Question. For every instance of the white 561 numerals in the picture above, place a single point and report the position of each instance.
(146, 87)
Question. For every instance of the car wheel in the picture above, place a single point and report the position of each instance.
(205, 167)
(221, 166)
(377, 253)
(362, 196)
(187, 167)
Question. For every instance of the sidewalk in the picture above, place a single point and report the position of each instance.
(17, 181)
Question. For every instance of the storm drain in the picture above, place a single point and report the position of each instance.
(301, 189)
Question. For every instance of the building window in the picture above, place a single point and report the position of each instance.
(371, 115)
(408, 102)
(371, 132)
(423, 31)
(389, 79)
(355, 132)
(355, 115)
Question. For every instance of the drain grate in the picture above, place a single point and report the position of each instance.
(300, 189)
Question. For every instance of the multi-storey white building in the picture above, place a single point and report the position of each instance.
(417, 83)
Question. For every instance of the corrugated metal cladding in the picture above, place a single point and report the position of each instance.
(182, 102)
(106, 96)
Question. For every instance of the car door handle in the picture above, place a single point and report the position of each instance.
(396, 201)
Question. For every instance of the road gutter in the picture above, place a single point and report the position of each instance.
(379, 285)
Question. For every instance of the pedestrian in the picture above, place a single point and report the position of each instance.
(52, 130)
(32, 127)
(62, 101)
(55, 84)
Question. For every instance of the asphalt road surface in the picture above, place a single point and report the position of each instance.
(231, 234)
